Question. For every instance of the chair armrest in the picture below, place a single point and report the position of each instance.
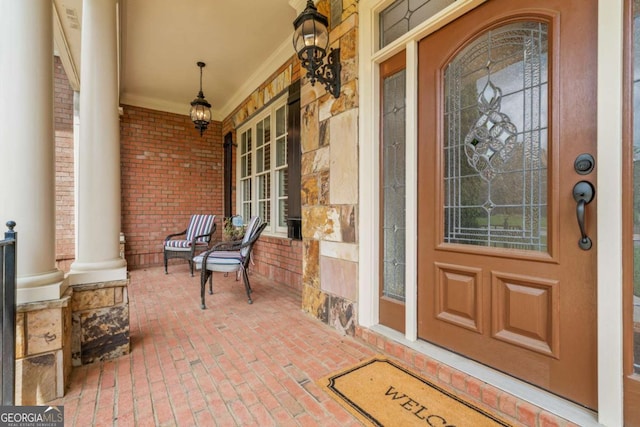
(175, 234)
(236, 245)
(230, 245)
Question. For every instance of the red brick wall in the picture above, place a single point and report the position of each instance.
(168, 173)
(65, 203)
(280, 260)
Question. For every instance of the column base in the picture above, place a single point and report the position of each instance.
(89, 323)
(81, 273)
(43, 350)
(41, 287)
(100, 321)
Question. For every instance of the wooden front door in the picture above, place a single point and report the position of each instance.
(506, 237)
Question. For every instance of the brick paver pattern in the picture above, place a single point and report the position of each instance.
(233, 364)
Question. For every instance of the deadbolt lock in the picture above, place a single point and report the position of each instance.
(584, 164)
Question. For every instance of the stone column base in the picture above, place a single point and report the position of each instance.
(89, 323)
(43, 350)
(100, 321)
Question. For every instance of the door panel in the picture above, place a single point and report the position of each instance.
(507, 102)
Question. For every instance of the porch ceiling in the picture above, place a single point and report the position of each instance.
(161, 40)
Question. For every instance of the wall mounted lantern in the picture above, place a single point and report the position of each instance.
(310, 40)
(200, 108)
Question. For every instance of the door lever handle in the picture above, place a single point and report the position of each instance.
(583, 193)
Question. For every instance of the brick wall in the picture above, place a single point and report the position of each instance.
(280, 260)
(65, 204)
(169, 173)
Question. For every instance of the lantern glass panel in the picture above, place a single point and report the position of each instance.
(311, 33)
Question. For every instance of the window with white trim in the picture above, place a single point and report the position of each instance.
(263, 173)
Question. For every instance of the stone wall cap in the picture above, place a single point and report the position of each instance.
(101, 285)
(44, 305)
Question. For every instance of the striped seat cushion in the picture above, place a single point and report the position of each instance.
(182, 244)
(221, 257)
(223, 261)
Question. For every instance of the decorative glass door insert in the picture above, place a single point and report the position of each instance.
(394, 184)
(495, 147)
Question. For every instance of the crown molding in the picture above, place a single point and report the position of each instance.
(298, 5)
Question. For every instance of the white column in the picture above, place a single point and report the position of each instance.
(27, 165)
(98, 179)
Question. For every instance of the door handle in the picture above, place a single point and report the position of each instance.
(583, 193)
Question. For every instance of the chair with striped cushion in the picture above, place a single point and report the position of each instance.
(232, 256)
(197, 237)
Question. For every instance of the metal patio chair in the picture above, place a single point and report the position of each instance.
(197, 238)
(227, 257)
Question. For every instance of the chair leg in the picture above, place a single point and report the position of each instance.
(247, 286)
(210, 283)
(191, 267)
(165, 263)
(203, 282)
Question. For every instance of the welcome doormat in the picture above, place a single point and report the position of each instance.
(381, 393)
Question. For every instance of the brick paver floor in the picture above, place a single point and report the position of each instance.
(231, 364)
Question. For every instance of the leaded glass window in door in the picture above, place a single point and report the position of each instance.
(402, 16)
(496, 140)
(394, 185)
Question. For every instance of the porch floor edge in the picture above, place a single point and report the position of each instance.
(533, 395)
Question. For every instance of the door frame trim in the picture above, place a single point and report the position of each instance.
(609, 244)
(609, 174)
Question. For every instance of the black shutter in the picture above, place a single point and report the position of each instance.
(294, 162)
(228, 153)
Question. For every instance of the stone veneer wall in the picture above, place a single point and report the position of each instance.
(43, 350)
(276, 258)
(330, 181)
(99, 321)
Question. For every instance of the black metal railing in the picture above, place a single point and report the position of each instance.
(8, 314)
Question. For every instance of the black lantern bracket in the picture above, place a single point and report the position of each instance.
(328, 73)
(310, 39)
